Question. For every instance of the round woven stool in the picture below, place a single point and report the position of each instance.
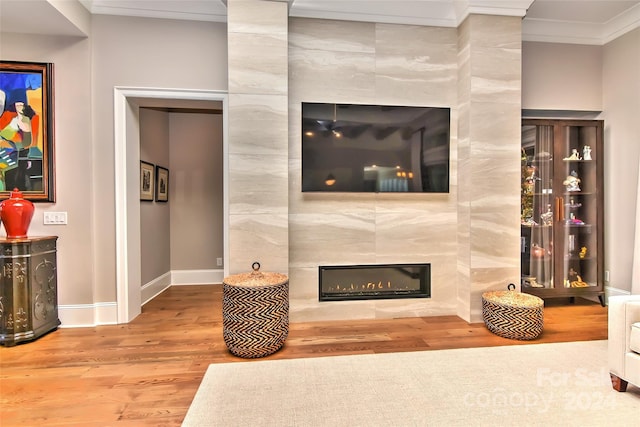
(512, 314)
(255, 312)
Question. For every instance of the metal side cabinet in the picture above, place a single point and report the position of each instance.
(28, 289)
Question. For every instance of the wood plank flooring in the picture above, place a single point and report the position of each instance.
(146, 373)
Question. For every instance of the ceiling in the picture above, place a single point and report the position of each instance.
(569, 21)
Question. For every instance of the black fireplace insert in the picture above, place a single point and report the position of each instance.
(378, 281)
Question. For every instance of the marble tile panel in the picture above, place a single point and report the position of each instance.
(258, 184)
(488, 89)
(494, 278)
(495, 185)
(495, 31)
(331, 239)
(486, 280)
(303, 283)
(258, 237)
(414, 307)
(258, 124)
(326, 203)
(332, 76)
(496, 131)
(313, 311)
(410, 37)
(423, 204)
(495, 243)
(499, 63)
(257, 64)
(295, 130)
(463, 300)
(413, 236)
(330, 35)
(258, 17)
(463, 34)
(416, 64)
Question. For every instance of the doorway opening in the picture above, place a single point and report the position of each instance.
(127, 102)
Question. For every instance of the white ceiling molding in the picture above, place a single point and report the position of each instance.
(187, 10)
(486, 7)
(621, 24)
(616, 18)
(552, 31)
(440, 13)
(39, 17)
(594, 22)
(540, 30)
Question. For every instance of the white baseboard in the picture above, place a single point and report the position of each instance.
(155, 287)
(88, 315)
(610, 291)
(196, 277)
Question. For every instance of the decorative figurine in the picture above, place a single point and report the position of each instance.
(547, 217)
(583, 252)
(538, 251)
(575, 281)
(586, 153)
(575, 221)
(572, 182)
(574, 155)
(531, 282)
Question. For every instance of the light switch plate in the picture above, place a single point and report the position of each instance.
(55, 218)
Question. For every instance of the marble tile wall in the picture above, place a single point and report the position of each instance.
(355, 62)
(489, 150)
(258, 143)
(470, 235)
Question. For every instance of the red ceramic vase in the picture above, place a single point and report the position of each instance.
(16, 214)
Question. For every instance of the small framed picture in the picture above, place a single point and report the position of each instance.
(162, 184)
(146, 181)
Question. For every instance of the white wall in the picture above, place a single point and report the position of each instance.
(598, 78)
(195, 190)
(558, 76)
(74, 157)
(154, 217)
(621, 102)
(138, 52)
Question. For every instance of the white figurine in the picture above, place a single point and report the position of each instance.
(572, 183)
(574, 155)
(586, 153)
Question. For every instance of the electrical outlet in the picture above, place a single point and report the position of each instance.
(606, 275)
(219, 261)
(55, 218)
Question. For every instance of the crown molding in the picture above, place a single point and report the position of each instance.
(212, 11)
(622, 24)
(488, 7)
(552, 31)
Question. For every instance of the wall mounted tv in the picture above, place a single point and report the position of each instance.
(375, 148)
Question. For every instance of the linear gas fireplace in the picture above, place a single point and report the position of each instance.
(379, 281)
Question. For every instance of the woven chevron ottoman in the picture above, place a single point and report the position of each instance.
(255, 312)
(512, 314)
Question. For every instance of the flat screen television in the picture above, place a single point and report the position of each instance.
(375, 148)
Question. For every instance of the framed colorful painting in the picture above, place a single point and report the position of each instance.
(27, 130)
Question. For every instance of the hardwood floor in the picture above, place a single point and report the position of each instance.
(146, 373)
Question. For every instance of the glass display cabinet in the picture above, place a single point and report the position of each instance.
(562, 203)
